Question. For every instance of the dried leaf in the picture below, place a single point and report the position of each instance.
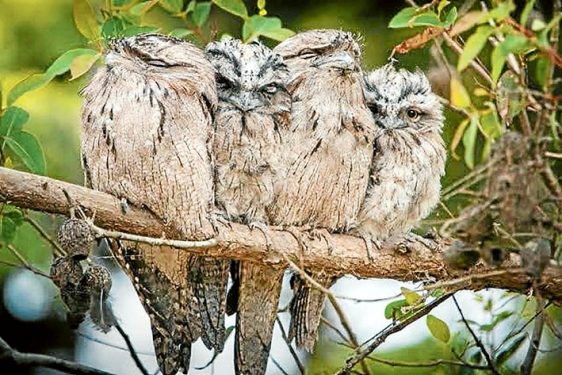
(418, 40)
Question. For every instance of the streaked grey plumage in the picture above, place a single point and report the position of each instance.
(250, 121)
(328, 152)
(146, 137)
(409, 153)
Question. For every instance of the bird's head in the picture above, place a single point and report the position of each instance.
(400, 100)
(250, 77)
(324, 49)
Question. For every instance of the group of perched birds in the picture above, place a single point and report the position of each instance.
(297, 136)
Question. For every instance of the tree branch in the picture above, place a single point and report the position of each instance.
(408, 260)
(8, 355)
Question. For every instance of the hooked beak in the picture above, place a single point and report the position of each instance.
(340, 60)
(391, 123)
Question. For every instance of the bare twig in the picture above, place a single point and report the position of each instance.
(438, 362)
(478, 342)
(527, 365)
(132, 351)
(382, 336)
(339, 311)
(10, 356)
(24, 263)
(59, 251)
(291, 349)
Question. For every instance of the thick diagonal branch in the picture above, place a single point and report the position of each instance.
(410, 260)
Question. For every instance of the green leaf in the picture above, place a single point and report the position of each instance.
(469, 141)
(14, 214)
(451, 17)
(261, 4)
(119, 3)
(497, 320)
(490, 124)
(180, 33)
(201, 12)
(458, 136)
(394, 309)
(438, 328)
(12, 121)
(171, 6)
(113, 27)
(62, 64)
(500, 12)
(542, 69)
(235, 7)
(509, 96)
(85, 19)
(402, 18)
(526, 11)
(8, 231)
(412, 297)
(81, 65)
(442, 5)
(426, 19)
(30, 83)
(511, 44)
(505, 354)
(26, 147)
(270, 27)
(473, 46)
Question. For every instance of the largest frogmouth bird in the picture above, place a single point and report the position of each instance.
(250, 121)
(146, 138)
(328, 153)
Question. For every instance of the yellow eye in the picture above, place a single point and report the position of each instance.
(413, 114)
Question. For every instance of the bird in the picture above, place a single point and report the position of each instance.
(328, 154)
(146, 138)
(251, 119)
(409, 157)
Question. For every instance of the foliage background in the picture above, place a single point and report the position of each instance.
(33, 33)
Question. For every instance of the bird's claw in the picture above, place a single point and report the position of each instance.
(321, 233)
(218, 218)
(264, 229)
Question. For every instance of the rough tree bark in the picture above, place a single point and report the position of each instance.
(407, 260)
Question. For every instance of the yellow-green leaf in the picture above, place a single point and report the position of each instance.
(473, 46)
(85, 19)
(469, 141)
(28, 150)
(459, 95)
(458, 136)
(81, 65)
(438, 328)
(402, 18)
(412, 297)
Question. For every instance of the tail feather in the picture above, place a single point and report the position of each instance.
(160, 277)
(306, 310)
(259, 290)
(209, 278)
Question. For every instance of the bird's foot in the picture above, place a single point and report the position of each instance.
(371, 244)
(298, 234)
(324, 234)
(265, 231)
(217, 218)
(427, 242)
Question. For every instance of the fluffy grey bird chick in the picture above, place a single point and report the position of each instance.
(250, 121)
(146, 138)
(409, 156)
(328, 152)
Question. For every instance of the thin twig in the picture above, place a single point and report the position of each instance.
(339, 311)
(527, 365)
(382, 336)
(438, 362)
(104, 233)
(132, 350)
(8, 356)
(478, 342)
(278, 365)
(17, 265)
(25, 263)
(291, 349)
(58, 250)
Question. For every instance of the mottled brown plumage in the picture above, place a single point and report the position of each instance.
(409, 153)
(327, 154)
(146, 137)
(250, 121)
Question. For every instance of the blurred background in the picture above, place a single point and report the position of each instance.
(32, 318)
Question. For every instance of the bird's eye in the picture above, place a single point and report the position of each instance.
(157, 62)
(374, 108)
(307, 53)
(223, 82)
(413, 114)
(270, 89)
